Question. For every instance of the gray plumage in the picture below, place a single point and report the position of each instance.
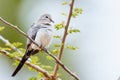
(41, 33)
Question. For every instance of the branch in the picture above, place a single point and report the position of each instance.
(24, 34)
(64, 38)
(45, 73)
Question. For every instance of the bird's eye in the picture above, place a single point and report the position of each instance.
(46, 16)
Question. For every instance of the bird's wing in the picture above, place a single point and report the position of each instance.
(32, 34)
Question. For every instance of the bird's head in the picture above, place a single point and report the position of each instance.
(45, 19)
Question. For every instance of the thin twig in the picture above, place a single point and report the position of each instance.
(39, 69)
(63, 39)
(24, 34)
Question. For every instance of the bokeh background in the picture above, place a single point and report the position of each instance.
(99, 40)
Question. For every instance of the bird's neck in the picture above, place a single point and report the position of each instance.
(43, 25)
(47, 24)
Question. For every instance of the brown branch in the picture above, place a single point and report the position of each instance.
(56, 59)
(63, 39)
(39, 69)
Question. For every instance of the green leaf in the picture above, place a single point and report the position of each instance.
(76, 12)
(40, 75)
(59, 26)
(16, 63)
(65, 3)
(33, 78)
(55, 51)
(22, 50)
(5, 49)
(34, 60)
(73, 31)
(49, 58)
(64, 14)
(57, 45)
(47, 67)
(57, 36)
(17, 44)
(16, 54)
(72, 47)
(2, 28)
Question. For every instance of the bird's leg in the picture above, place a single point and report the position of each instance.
(40, 47)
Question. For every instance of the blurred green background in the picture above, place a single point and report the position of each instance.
(98, 56)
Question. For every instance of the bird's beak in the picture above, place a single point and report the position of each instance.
(51, 20)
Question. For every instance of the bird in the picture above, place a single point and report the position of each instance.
(41, 32)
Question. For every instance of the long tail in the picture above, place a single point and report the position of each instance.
(25, 57)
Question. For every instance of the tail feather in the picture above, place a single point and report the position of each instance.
(20, 65)
(25, 57)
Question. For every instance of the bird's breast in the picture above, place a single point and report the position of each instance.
(43, 38)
